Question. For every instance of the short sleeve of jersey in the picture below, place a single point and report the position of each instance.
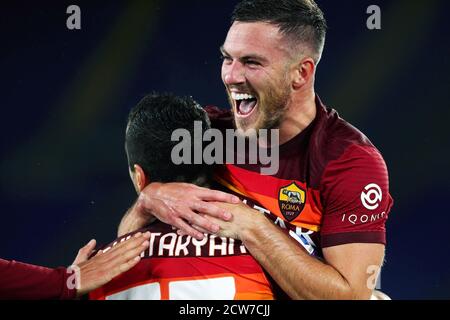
(355, 198)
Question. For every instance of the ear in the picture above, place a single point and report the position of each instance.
(303, 73)
(140, 179)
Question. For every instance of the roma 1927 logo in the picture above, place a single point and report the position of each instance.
(291, 200)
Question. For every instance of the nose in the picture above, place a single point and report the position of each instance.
(233, 73)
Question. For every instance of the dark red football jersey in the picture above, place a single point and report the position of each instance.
(182, 268)
(30, 282)
(331, 188)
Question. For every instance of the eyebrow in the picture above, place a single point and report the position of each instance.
(247, 57)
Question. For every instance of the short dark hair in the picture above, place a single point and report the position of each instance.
(148, 137)
(301, 21)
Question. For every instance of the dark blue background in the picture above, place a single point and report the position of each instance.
(65, 96)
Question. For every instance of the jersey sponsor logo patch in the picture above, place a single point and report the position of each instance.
(372, 197)
(291, 200)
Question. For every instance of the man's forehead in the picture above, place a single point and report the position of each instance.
(253, 36)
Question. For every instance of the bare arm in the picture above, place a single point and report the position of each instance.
(343, 275)
(134, 220)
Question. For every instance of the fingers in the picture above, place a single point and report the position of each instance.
(85, 252)
(109, 264)
(130, 255)
(188, 230)
(122, 250)
(87, 249)
(215, 195)
(129, 258)
(181, 218)
(210, 210)
(181, 233)
(200, 219)
(127, 266)
(199, 229)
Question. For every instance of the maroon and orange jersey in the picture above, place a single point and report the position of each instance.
(331, 188)
(182, 268)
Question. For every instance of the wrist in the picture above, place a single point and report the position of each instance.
(141, 212)
(145, 201)
(251, 232)
(139, 207)
(153, 189)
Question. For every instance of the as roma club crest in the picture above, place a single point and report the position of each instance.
(291, 200)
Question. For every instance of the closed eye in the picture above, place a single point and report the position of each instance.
(252, 62)
(225, 59)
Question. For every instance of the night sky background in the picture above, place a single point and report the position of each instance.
(65, 96)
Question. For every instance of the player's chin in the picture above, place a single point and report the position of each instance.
(249, 124)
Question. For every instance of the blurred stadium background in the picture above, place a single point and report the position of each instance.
(65, 96)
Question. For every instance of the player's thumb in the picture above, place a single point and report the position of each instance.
(85, 252)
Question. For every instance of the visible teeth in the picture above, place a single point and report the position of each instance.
(241, 96)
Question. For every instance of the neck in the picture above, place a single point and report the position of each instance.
(300, 113)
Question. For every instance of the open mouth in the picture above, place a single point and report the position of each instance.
(245, 103)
